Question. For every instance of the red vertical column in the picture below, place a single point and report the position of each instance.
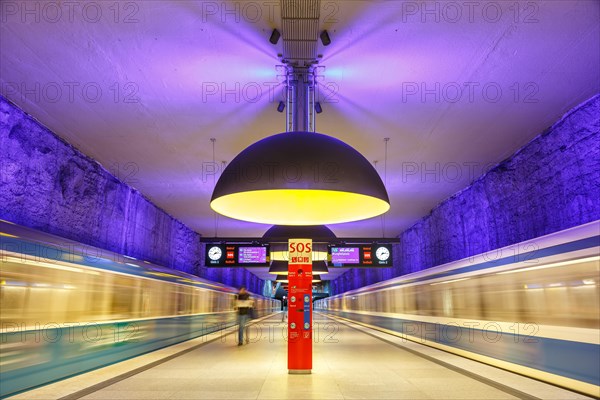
(300, 306)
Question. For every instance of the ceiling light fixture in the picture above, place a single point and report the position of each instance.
(318, 108)
(275, 35)
(283, 255)
(278, 268)
(325, 39)
(284, 232)
(300, 177)
(284, 279)
(278, 234)
(319, 267)
(281, 268)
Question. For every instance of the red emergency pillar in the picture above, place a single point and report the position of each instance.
(300, 306)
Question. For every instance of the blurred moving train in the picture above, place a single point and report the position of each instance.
(531, 308)
(66, 308)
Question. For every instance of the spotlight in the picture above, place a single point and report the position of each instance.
(318, 107)
(281, 106)
(325, 39)
(275, 35)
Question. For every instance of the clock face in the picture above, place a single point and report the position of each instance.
(382, 253)
(214, 253)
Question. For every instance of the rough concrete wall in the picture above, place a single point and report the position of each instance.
(551, 184)
(49, 185)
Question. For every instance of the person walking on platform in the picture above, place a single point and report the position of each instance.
(243, 304)
(283, 308)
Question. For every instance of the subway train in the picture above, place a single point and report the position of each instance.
(67, 308)
(531, 308)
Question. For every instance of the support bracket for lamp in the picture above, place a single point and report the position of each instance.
(300, 93)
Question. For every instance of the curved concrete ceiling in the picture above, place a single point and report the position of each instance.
(142, 87)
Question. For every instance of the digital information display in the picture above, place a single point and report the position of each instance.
(252, 255)
(370, 255)
(345, 255)
(236, 255)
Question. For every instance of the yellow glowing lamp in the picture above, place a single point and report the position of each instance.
(281, 268)
(299, 207)
(300, 178)
(284, 279)
(281, 255)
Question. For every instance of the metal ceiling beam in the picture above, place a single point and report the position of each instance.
(300, 31)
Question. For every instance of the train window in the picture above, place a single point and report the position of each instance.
(97, 294)
(123, 295)
(410, 299)
(12, 300)
(566, 295)
(465, 299)
(196, 295)
(184, 299)
(423, 297)
(584, 298)
(396, 301)
(438, 297)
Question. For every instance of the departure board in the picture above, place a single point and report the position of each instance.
(363, 255)
(252, 255)
(345, 255)
(236, 255)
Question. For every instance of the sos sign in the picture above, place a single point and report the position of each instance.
(300, 251)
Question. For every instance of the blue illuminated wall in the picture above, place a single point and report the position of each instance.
(551, 184)
(47, 184)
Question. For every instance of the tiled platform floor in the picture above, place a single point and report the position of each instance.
(348, 364)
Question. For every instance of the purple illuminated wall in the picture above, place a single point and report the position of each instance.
(49, 185)
(551, 184)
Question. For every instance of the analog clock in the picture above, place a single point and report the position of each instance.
(382, 253)
(214, 253)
